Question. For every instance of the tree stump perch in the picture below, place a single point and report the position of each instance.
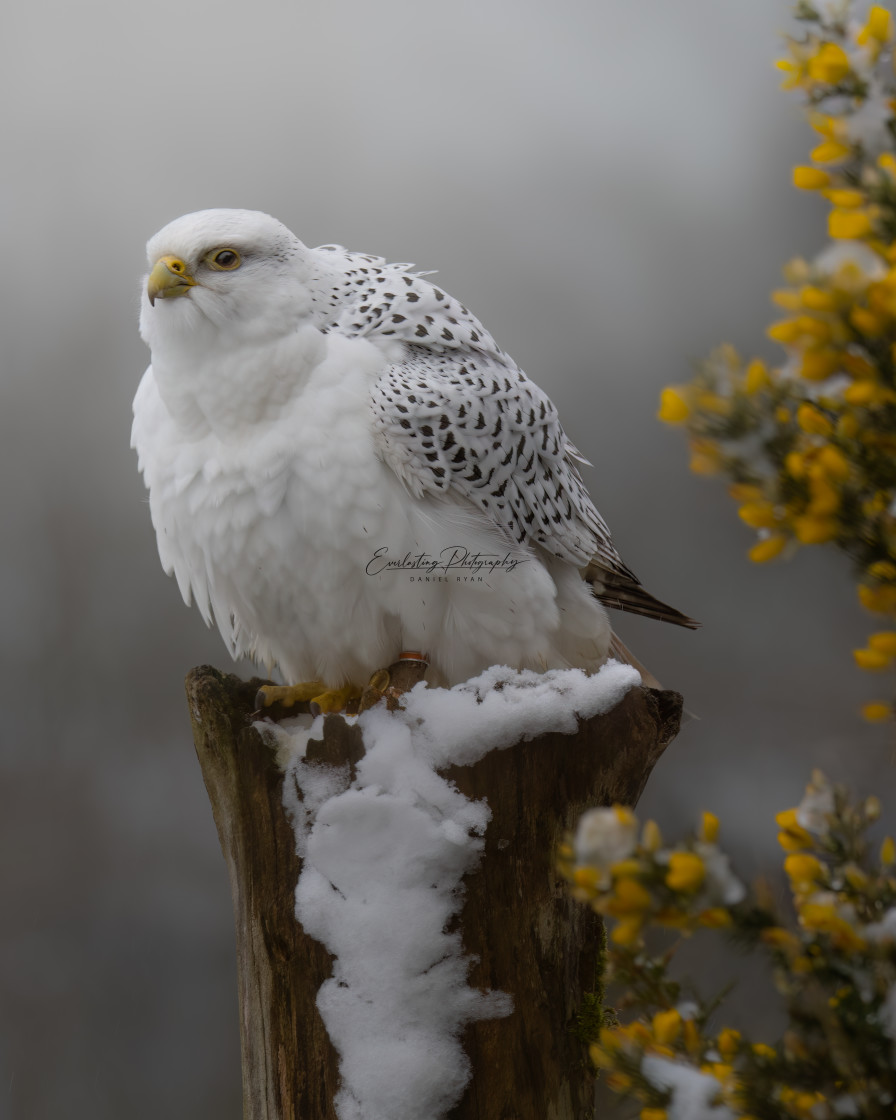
(532, 940)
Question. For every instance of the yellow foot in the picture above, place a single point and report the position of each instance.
(288, 694)
(334, 699)
(385, 684)
(314, 693)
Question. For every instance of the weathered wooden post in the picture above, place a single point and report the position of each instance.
(530, 938)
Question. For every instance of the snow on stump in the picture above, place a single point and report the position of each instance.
(405, 947)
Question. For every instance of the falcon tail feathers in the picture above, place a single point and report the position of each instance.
(624, 595)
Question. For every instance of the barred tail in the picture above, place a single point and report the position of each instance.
(626, 594)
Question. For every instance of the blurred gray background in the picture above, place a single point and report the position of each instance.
(607, 186)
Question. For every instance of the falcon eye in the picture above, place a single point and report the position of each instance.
(225, 259)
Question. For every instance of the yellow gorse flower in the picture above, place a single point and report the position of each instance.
(883, 570)
(626, 868)
(651, 837)
(871, 659)
(667, 1026)
(758, 515)
(728, 1043)
(795, 72)
(886, 161)
(674, 409)
(792, 837)
(834, 148)
(814, 530)
(806, 448)
(804, 871)
(881, 600)
(602, 1058)
(884, 641)
(811, 420)
(768, 548)
(709, 827)
(811, 178)
(830, 151)
(877, 29)
(756, 377)
(845, 198)
(819, 364)
(780, 938)
(627, 932)
(686, 871)
(628, 899)
(877, 712)
(829, 65)
(849, 224)
(835, 898)
(834, 463)
(822, 917)
(716, 917)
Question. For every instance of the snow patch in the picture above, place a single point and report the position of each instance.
(384, 855)
(883, 931)
(693, 1093)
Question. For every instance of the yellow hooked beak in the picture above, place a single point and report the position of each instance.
(169, 278)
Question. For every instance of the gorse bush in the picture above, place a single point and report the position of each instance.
(808, 447)
(834, 958)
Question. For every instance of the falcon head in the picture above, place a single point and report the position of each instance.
(239, 274)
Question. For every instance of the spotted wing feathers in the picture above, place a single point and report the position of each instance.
(368, 296)
(478, 426)
(458, 415)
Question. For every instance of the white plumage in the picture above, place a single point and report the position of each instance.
(327, 438)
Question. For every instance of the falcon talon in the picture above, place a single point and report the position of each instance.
(380, 680)
(334, 699)
(370, 697)
(268, 695)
